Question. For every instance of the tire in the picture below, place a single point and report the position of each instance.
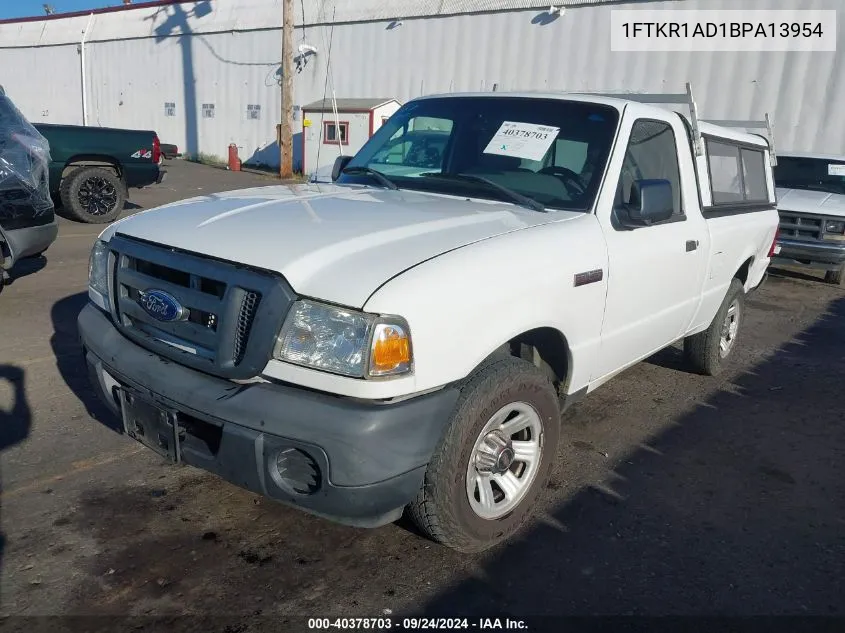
(704, 351)
(442, 509)
(834, 276)
(93, 195)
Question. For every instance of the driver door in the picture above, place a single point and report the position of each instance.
(656, 272)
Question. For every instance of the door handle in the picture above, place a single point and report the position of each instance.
(692, 245)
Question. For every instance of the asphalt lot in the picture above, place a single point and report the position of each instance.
(674, 493)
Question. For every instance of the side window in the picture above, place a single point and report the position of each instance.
(754, 171)
(651, 154)
(725, 170)
(737, 174)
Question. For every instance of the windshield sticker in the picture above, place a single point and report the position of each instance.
(835, 170)
(522, 140)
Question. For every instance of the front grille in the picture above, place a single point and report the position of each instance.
(801, 226)
(220, 329)
(246, 315)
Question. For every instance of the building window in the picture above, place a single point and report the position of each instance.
(336, 133)
(207, 110)
(253, 112)
(169, 109)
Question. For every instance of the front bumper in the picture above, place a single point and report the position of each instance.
(813, 254)
(31, 240)
(371, 457)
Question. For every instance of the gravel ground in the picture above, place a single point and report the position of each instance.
(674, 494)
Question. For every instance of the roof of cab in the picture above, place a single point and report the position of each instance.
(735, 134)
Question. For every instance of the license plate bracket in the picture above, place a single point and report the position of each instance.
(154, 426)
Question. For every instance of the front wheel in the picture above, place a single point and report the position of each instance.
(708, 351)
(494, 460)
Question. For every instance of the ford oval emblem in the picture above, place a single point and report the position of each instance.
(162, 306)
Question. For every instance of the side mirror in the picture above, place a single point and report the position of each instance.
(651, 202)
(339, 165)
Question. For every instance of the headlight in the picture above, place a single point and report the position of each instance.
(834, 227)
(343, 341)
(98, 274)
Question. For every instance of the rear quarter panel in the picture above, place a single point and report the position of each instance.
(463, 305)
(734, 240)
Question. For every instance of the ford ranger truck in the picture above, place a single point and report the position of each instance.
(404, 338)
(811, 202)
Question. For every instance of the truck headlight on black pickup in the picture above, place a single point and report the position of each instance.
(343, 341)
(98, 274)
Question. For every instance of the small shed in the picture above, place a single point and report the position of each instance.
(325, 137)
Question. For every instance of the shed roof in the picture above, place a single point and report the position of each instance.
(325, 105)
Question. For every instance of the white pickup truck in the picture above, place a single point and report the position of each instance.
(811, 202)
(406, 336)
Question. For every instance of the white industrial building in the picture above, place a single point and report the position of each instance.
(205, 73)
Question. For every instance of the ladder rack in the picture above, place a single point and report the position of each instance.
(688, 100)
(765, 124)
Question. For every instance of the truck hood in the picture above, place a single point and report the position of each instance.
(332, 242)
(818, 202)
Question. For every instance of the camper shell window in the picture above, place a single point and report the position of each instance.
(737, 173)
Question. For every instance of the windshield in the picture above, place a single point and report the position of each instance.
(813, 174)
(551, 151)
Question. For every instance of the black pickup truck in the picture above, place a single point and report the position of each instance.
(93, 168)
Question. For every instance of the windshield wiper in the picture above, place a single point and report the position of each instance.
(515, 196)
(387, 182)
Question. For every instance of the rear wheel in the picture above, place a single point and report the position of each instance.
(708, 351)
(834, 276)
(494, 460)
(93, 195)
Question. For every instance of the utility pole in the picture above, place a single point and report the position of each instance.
(286, 127)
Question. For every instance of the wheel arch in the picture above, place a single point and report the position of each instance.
(743, 270)
(94, 160)
(544, 347)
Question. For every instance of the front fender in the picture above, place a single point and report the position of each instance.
(463, 305)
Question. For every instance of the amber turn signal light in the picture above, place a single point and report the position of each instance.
(391, 350)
